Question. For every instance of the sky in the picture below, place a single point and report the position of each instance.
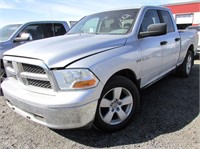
(21, 11)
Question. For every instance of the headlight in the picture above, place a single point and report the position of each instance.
(75, 79)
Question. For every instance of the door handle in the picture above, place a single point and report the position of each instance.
(163, 43)
(177, 39)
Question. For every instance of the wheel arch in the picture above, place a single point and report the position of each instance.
(127, 73)
(191, 48)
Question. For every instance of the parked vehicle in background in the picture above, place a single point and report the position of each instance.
(198, 30)
(93, 74)
(16, 34)
(72, 23)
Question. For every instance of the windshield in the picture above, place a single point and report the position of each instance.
(7, 31)
(112, 22)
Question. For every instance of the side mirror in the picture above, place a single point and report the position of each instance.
(23, 37)
(154, 30)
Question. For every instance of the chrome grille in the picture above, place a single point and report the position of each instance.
(33, 68)
(38, 83)
(28, 74)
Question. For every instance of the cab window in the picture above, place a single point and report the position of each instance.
(150, 17)
(35, 31)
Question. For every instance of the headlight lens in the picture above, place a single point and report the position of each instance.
(75, 79)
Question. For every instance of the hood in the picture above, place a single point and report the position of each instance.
(63, 50)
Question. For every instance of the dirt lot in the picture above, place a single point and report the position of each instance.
(169, 118)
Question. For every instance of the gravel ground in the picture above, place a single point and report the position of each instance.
(168, 118)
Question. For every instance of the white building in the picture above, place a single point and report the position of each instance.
(186, 14)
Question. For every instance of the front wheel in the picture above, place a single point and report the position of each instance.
(185, 68)
(118, 104)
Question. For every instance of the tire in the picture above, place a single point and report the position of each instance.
(118, 104)
(185, 68)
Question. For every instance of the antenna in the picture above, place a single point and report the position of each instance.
(53, 28)
(1, 14)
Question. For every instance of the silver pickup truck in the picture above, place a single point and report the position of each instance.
(92, 75)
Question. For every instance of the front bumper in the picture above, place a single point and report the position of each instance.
(63, 110)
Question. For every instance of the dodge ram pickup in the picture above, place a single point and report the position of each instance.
(93, 75)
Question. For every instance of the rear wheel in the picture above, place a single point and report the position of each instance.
(118, 104)
(185, 68)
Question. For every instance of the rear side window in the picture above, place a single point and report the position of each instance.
(168, 20)
(150, 17)
(54, 29)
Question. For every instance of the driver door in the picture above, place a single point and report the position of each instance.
(151, 50)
